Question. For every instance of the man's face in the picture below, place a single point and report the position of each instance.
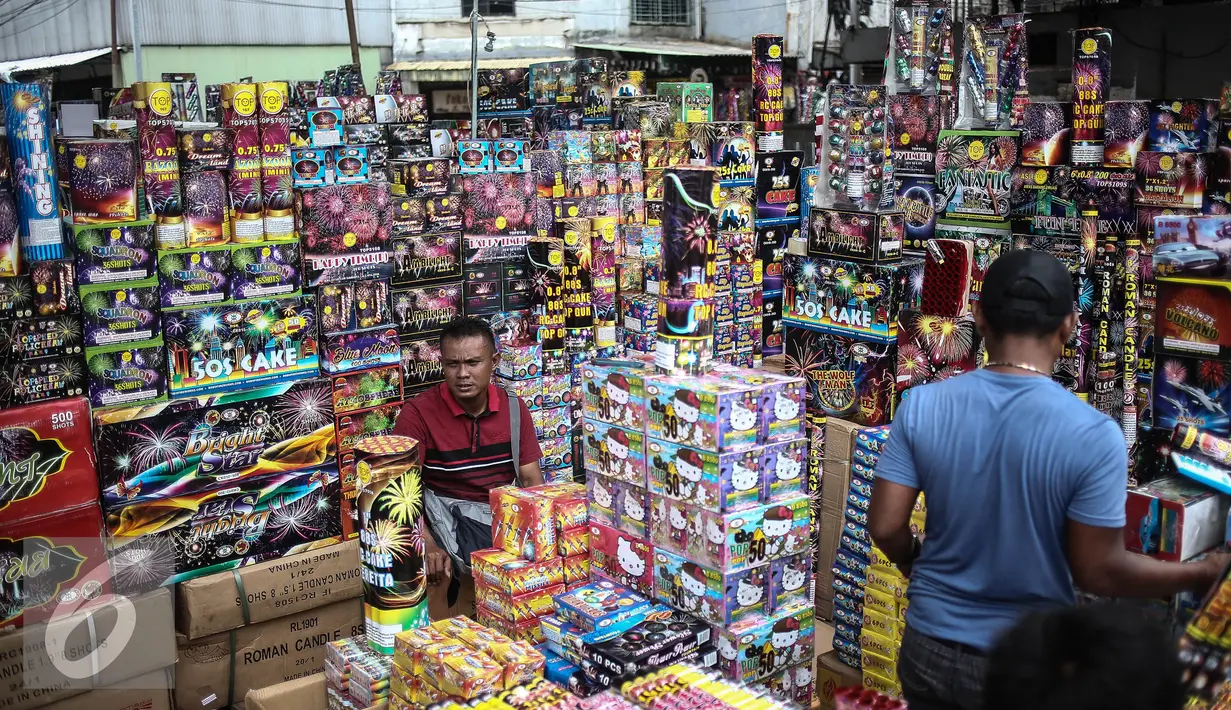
(468, 365)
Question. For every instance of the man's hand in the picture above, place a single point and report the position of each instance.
(436, 562)
(1212, 568)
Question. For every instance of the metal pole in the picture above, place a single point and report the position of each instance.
(474, 72)
(117, 78)
(134, 28)
(354, 34)
(697, 31)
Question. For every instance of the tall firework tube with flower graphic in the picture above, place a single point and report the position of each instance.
(34, 180)
(767, 112)
(277, 193)
(239, 113)
(1091, 85)
(160, 168)
(391, 538)
(686, 307)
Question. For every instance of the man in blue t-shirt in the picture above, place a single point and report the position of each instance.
(1025, 489)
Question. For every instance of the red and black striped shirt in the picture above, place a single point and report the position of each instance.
(463, 456)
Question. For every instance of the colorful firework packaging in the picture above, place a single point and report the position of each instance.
(1111, 193)
(1126, 132)
(1193, 318)
(1192, 391)
(127, 373)
(994, 89)
(426, 258)
(115, 253)
(34, 176)
(1183, 125)
(29, 338)
(1045, 201)
(858, 236)
(239, 114)
(102, 180)
(1197, 246)
(1046, 134)
(358, 350)
(206, 217)
(850, 298)
(267, 270)
(777, 186)
(235, 346)
(498, 203)
(767, 91)
(1091, 86)
(312, 167)
(916, 124)
(916, 197)
(120, 313)
(48, 444)
(934, 348)
(690, 103)
(426, 309)
(421, 363)
(205, 149)
(159, 153)
(846, 377)
(345, 231)
(504, 90)
(974, 173)
(857, 160)
(1171, 179)
(420, 177)
(194, 277)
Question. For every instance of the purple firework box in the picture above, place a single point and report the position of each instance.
(195, 277)
(360, 349)
(427, 257)
(789, 582)
(426, 309)
(102, 180)
(708, 480)
(120, 313)
(1128, 127)
(127, 373)
(498, 204)
(265, 270)
(421, 363)
(777, 186)
(783, 465)
(116, 253)
(710, 413)
(1112, 192)
(206, 217)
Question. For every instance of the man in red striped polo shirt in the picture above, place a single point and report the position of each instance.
(464, 429)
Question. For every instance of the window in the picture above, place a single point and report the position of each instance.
(490, 8)
(662, 12)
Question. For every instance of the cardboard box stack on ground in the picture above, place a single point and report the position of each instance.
(306, 693)
(96, 660)
(831, 674)
(265, 624)
(835, 481)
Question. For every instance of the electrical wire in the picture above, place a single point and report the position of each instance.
(20, 12)
(450, 7)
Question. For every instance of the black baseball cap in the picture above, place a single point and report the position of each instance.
(1027, 284)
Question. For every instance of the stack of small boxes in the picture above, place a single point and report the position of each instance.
(737, 301)
(351, 139)
(355, 675)
(540, 540)
(781, 214)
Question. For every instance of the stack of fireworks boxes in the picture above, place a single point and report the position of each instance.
(540, 540)
(697, 499)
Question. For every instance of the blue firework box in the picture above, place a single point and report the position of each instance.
(602, 606)
(850, 298)
(37, 189)
(1191, 391)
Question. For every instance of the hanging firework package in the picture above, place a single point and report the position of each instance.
(916, 46)
(391, 538)
(994, 92)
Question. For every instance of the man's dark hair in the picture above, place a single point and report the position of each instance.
(468, 327)
(1096, 657)
(1026, 292)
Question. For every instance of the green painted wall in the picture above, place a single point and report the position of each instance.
(220, 64)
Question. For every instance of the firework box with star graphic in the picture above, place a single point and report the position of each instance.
(127, 374)
(1183, 125)
(850, 298)
(106, 254)
(194, 277)
(267, 270)
(1192, 391)
(974, 173)
(1192, 318)
(916, 197)
(1128, 127)
(847, 377)
(1170, 179)
(120, 313)
(30, 338)
(102, 180)
(859, 236)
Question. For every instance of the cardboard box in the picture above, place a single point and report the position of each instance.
(839, 445)
(1174, 519)
(831, 674)
(27, 664)
(290, 585)
(307, 693)
(151, 691)
(259, 655)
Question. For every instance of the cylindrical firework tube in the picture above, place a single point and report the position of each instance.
(546, 257)
(578, 260)
(1091, 85)
(1132, 294)
(767, 110)
(1202, 445)
(36, 190)
(1105, 360)
(688, 266)
(277, 191)
(391, 528)
(160, 164)
(239, 113)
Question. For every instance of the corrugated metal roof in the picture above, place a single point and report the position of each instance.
(671, 47)
(54, 60)
(459, 69)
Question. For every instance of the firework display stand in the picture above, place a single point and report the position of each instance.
(215, 309)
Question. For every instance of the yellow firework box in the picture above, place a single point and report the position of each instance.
(391, 538)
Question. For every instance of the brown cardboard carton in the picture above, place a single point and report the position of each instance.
(306, 693)
(831, 529)
(832, 674)
(839, 439)
(47, 663)
(263, 654)
(835, 483)
(290, 585)
(151, 691)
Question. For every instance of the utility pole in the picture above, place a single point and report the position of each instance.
(354, 34)
(134, 28)
(117, 80)
(474, 72)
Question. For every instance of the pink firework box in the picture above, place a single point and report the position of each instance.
(523, 524)
(790, 581)
(615, 451)
(623, 558)
(632, 505)
(708, 480)
(601, 494)
(783, 465)
(706, 412)
(762, 645)
(782, 400)
(1170, 179)
(713, 595)
(614, 392)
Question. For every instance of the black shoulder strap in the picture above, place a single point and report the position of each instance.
(515, 434)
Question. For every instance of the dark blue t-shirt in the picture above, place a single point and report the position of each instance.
(1004, 462)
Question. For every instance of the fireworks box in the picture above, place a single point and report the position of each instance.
(734, 540)
(421, 177)
(649, 644)
(197, 276)
(290, 585)
(621, 558)
(341, 227)
(115, 253)
(763, 645)
(1182, 394)
(615, 452)
(916, 128)
(874, 237)
(1111, 191)
(267, 270)
(850, 298)
(351, 164)
(714, 595)
(847, 377)
(474, 157)
(360, 349)
(119, 313)
(1174, 519)
(974, 173)
(260, 655)
(614, 392)
(224, 347)
(709, 413)
(421, 362)
(708, 480)
(28, 338)
(127, 373)
(376, 387)
(1193, 318)
(498, 203)
(916, 197)
(425, 309)
(1170, 179)
(42, 380)
(1197, 246)
(933, 348)
(1046, 132)
(1128, 126)
(324, 126)
(601, 605)
(227, 527)
(504, 90)
(312, 167)
(777, 186)
(1043, 201)
(188, 446)
(690, 103)
(1183, 125)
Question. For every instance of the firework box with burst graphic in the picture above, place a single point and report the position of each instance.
(1193, 318)
(267, 270)
(1183, 125)
(1191, 391)
(1045, 201)
(1045, 134)
(205, 210)
(1126, 134)
(291, 585)
(30, 338)
(421, 362)
(707, 413)
(127, 373)
(767, 51)
(916, 198)
(859, 236)
(274, 125)
(35, 209)
(1170, 179)
(777, 186)
(159, 153)
(504, 90)
(916, 123)
(761, 645)
(313, 167)
(1197, 246)
(690, 103)
(624, 565)
(934, 348)
(102, 180)
(428, 257)
(106, 254)
(847, 297)
(377, 387)
(422, 177)
(225, 527)
(1111, 191)
(498, 204)
(120, 313)
(1174, 519)
(205, 148)
(360, 349)
(847, 377)
(239, 113)
(426, 309)
(1091, 89)
(974, 173)
(236, 346)
(194, 277)
(352, 165)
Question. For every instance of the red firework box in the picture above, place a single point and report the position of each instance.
(55, 564)
(159, 153)
(1193, 318)
(859, 236)
(520, 608)
(509, 574)
(47, 460)
(523, 524)
(934, 348)
(239, 113)
(1091, 86)
(274, 121)
(622, 558)
(1171, 179)
(366, 389)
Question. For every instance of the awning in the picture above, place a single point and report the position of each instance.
(459, 69)
(670, 47)
(55, 60)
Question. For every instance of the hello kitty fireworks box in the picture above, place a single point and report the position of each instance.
(782, 400)
(703, 412)
(615, 452)
(733, 540)
(621, 558)
(782, 469)
(708, 480)
(760, 646)
(614, 392)
(716, 596)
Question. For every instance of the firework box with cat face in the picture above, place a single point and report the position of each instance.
(1045, 201)
(115, 253)
(858, 236)
(790, 582)
(742, 539)
(708, 480)
(230, 526)
(1045, 134)
(760, 646)
(377, 387)
(609, 604)
(1193, 318)
(102, 180)
(916, 123)
(1170, 179)
(849, 298)
(707, 413)
(974, 173)
(782, 400)
(194, 277)
(268, 270)
(127, 374)
(426, 309)
(717, 596)
(235, 346)
(614, 392)
(615, 452)
(777, 186)
(1191, 391)
(849, 378)
(120, 313)
(782, 468)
